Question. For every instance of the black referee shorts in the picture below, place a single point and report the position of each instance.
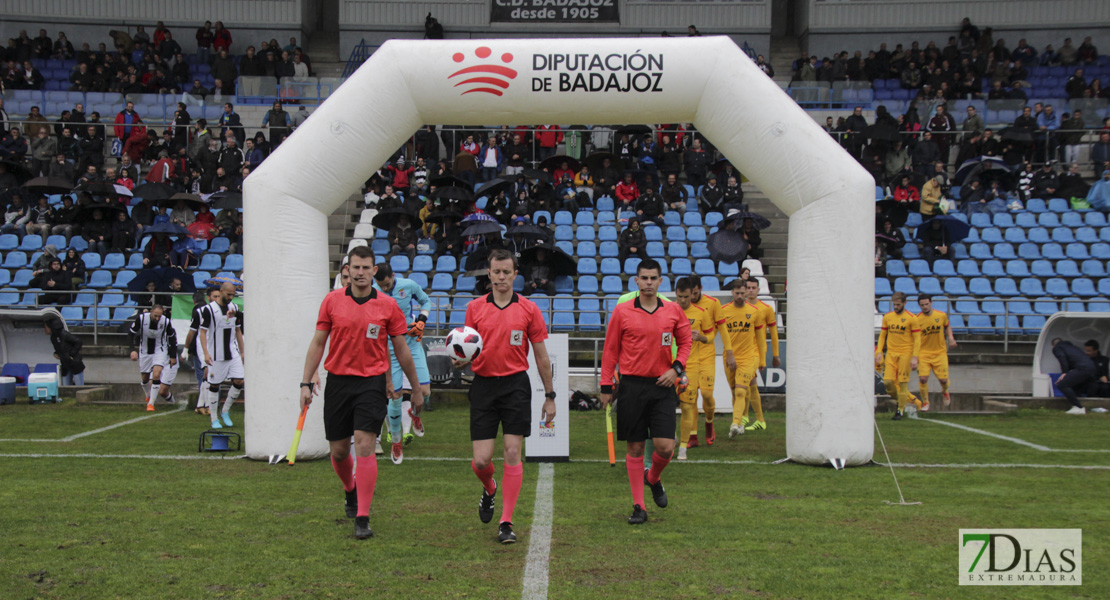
(644, 409)
(500, 400)
(353, 402)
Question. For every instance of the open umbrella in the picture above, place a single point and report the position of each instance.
(153, 191)
(560, 263)
(1019, 135)
(727, 246)
(193, 201)
(538, 176)
(440, 218)
(528, 232)
(224, 200)
(86, 211)
(633, 131)
(758, 221)
(494, 186)
(453, 194)
(218, 281)
(894, 211)
(170, 229)
(97, 188)
(596, 160)
(556, 162)
(122, 190)
(480, 228)
(48, 185)
(978, 165)
(956, 229)
(449, 181)
(17, 169)
(388, 218)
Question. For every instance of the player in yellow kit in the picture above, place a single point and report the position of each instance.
(767, 325)
(901, 336)
(702, 356)
(713, 307)
(742, 323)
(936, 339)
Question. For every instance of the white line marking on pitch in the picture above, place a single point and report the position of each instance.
(999, 466)
(1008, 438)
(539, 546)
(139, 456)
(101, 430)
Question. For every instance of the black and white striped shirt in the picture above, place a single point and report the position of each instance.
(153, 338)
(219, 324)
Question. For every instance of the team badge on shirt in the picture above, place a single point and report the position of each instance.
(373, 330)
(666, 339)
(516, 337)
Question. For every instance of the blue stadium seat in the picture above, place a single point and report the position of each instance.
(653, 233)
(1036, 205)
(1045, 306)
(671, 218)
(9, 297)
(563, 217)
(978, 251)
(446, 264)
(1077, 251)
(1087, 235)
(1042, 268)
(1048, 220)
(1053, 251)
(944, 268)
(980, 324)
(1058, 205)
(1005, 286)
(954, 286)
(728, 270)
(980, 286)
(609, 250)
(420, 279)
(604, 203)
(913, 220)
(380, 248)
(5, 277)
(114, 261)
(1093, 268)
(991, 235)
(606, 217)
(713, 218)
(565, 246)
(968, 268)
(456, 318)
(1100, 306)
(699, 250)
(1073, 304)
(1063, 235)
(1093, 218)
(588, 249)
(1083, 287)
(1003, 324)
(1039, 235)
(655, 250)
(957, 323)
(981, 220)
(1003, 220)
(1014, 235)
(696, 234)
(587, 266)
(919, 268)
(1071, 219)
(675, 233)
(422, 264)
(1057, 287)
(929, 285)
(564, 233)
(135, 261)
(9, 241)
(710, 283)
(22, 278)
(123, 277)
(31, 243)
(15, 259)
(897, 268)
(465, 284)
(1029, 251)
(584, 218)
(399, 263)
(1032, 324)
(992, 306)
(911, 251)
(631, 263)
(541, 213)
(220, 245)
(993, 268)
(1067, 268)
(210, 262)
(587, 284)
(564, 284)
(1104, 234)
(1026, 220)
(518, 284)
(607, 233)
(610, 266)
(72, 315)
(234, 262)
(692, 219)
(102, 316)
(611, 284)
(1004, 251)
(677, 250)
(704, 266)
(1017, 268)
(681, 267)
(905, 285)
(442, 282)
(589, 317)
(882, 287)
(967, 305)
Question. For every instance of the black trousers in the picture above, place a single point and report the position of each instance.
(1073, 380)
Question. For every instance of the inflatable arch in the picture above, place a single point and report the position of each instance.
(707, 81)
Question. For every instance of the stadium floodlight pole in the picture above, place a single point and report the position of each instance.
(707, 81)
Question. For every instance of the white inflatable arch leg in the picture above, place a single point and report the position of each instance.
(707, 81)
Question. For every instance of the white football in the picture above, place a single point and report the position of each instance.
(464, 343)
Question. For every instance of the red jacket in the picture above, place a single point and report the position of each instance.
(909, 194)
(549, 136)
(121, 122)
(161, 171)
(136, 145)
(627, 192)
(222, 40)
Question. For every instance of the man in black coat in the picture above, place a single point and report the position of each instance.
(632, 241)
(67, 348)
(1077, 370)
(650, 206)
(711, 197)
(697, 163)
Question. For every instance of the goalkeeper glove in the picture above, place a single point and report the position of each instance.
(417, 328)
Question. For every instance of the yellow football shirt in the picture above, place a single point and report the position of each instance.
(702, 353)
(713, 307)
(934, 339)
(742, 324)
(901, 333)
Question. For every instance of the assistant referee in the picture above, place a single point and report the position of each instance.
(358, 320)
(638, 340)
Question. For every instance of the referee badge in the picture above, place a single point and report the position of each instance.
(666, 339)
(372, 331)
(516, 337)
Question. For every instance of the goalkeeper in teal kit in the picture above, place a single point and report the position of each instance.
(401, 417)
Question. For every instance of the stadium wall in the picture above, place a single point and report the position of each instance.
(708, 81)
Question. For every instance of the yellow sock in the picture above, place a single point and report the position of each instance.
(891, 388)
(903, 394)
(708, 404)
(754, 401)
(739, 405)
(944, 387)
(923, 390)
(689, 421)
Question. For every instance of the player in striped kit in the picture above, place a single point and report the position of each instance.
(192, 346)
(151, 337)
(221, 329)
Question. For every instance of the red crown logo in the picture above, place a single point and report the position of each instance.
(489, 77)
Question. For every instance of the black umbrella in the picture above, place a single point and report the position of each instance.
(453, 194)
(16, 168)
(559, 262)
(758, 221)
(957, 229)
(170, 229)
(153, 191)
(388, 218)
(528, 231)
(193, 201)
(894, 211)
(595, 160)
(556, 162)
(87, 210)
(978, 165)
(1005, 179)
(162, 278)
(481, 228)
(633, 131)
(98, 188)
(449, 181)
(223, 200)
(538, 176)
(727, 246)
(440, 218)
(48, 185)
(882, 132)
(1020, 135)
(494, 186)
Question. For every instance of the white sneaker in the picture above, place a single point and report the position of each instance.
(1098, 410)
(681, 453)
(735, 430)
(378, 446)
(1076, 410)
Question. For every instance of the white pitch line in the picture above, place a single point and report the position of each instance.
(539, 545)
(132, 456)
(101, 430)
(1010, 439)
(1000, 466)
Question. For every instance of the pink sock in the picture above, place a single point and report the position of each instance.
(345, 470)
(636, 478)
(485, 476)
(366, 475)
(658, 463)
(513, 477)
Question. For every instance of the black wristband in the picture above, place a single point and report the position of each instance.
(423, 318)
(549, 395)
(678, 368)
(307, 385)
(606, 389)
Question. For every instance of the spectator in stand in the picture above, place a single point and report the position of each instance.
(733, 196)
(562, 171)
(204, 37)
(548, 137)
(935, 242)
(973, 122)
(403, 238)
(229, 121)
(1100, 150)
(278, 122)
(137, 143)
(537, 275)
(1087, 52)
(62, 48)
(632, 241)
(221, 38)
(931, 197)
(697, 164)
(891, 239)
(251, 65)
(650, 206)
(401, 174)
(1076, 85)
(13, 147)
(252, 156)
(229, 223)
(61, 168)
(674, 194)
(470, 146)
(162, 171)
(168, 48)
(126, 120)
(231, 157)
(584, 180)
(926, 154)
(74, 267)
(30, 78)
(43, 150)
(942, 124)
(33, 123)
(1045, 139)
(448, 239)
(711, 197)
(626, 192)
(466, 167)
(491, 159)
(124, 179)
(1046, 182)
(225, 72)
(54, 282)
(605, 179)
(97, 232)
(906, 192)
(81, 79)
(123, 232)
(40, 218)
